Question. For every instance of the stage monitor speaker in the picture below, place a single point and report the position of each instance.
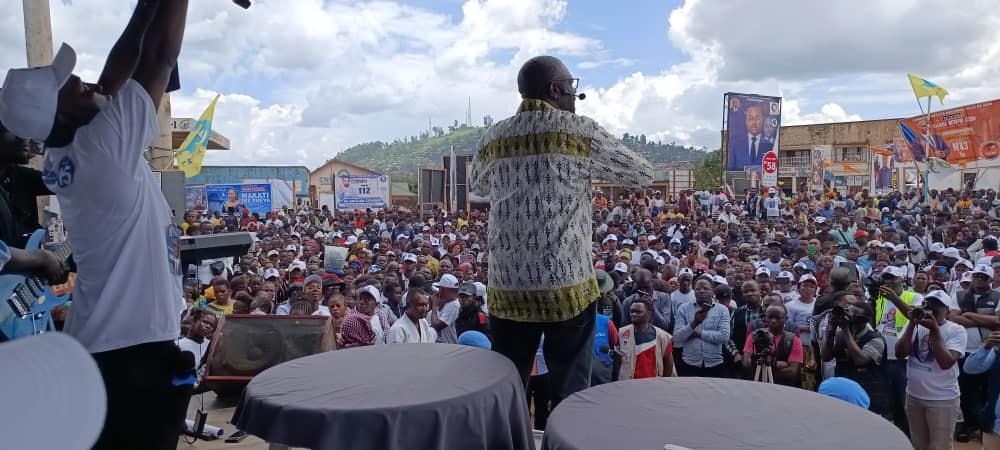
(247, 344)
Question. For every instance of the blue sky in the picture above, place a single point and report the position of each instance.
(300, 80)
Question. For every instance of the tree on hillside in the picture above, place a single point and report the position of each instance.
(708, 173)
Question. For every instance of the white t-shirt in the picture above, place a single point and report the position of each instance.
(447, 314)
(198, 350)
(129, 276)
(925, 379)
(800, 314)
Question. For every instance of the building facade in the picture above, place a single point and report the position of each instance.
(849, 162)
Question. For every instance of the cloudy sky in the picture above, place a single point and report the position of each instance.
(302, 80)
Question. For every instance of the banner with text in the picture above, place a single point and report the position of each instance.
(957, 135)
(362, 191)
(753, 122)
(254, 197)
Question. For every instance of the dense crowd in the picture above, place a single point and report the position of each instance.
(689, 285)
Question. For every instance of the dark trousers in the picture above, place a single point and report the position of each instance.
(568, 349)
(145, 409)
(974, 393)
(540, 393)
(896, 370)
(718, 371)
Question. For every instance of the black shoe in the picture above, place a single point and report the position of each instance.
(962, 434)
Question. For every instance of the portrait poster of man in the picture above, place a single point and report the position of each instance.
(753, 129)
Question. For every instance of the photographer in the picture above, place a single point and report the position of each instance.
(775, 347)
(892, 307)
(932, 392)
(848, 338)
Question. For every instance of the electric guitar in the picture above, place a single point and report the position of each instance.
(29, 300)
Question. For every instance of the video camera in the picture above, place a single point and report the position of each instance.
(918, 313)
(763, 342)
(873, 284)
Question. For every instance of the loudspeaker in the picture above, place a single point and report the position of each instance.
(247, 344)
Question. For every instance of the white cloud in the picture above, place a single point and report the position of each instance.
(301, 80)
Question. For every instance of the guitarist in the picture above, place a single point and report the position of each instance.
(19, 187)
(95, 136)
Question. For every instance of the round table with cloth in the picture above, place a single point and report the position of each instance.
(708, 413)
(400, 396)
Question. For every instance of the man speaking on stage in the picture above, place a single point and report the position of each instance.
(127, 298)
(536, 168)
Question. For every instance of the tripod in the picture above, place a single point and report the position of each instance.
(763, 372)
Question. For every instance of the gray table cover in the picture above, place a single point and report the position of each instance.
(705, 413)
(401, 396)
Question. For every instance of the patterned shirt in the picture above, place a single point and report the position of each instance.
(536, 167)
(356, 331)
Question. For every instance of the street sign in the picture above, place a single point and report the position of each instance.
(769, 167)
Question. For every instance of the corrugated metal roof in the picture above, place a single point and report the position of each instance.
(401, 188)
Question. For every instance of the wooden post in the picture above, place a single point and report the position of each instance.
(38, 46)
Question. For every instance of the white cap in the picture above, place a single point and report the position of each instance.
(819, 219)
(628, 242)
(984, 269)
(29, 97)
(771, 191)
(807, 277)
(719, 279)
(951, 252)
(762, 271)
(936, 247)
(371, 290)
(448, 281)
(874, 243)
(786, 274)
(319, 235)
(675, 241)
(889, 245)
(659, 260)
(988, 260)
(297, 265)
(480, 289)
(621, 267)
(409, 257)
(964, 262)
(427, 228)
(895, 271)
(271, 273)
(685, 272)
(351, 240)
(435, 242)
(721, 257)
(942, 297)
(967, 276)
(291, 248)
(55, 380)
(899, 248)
(610, 237)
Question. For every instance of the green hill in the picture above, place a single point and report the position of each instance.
(402, 157)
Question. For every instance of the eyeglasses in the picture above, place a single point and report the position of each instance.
(574, 83)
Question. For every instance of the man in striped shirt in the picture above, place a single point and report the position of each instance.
(536, 167)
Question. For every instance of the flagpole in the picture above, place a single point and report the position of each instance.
(927, 154)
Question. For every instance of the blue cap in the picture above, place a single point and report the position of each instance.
(845, 389)
(475, 339)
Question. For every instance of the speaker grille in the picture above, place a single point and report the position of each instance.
(246, 345)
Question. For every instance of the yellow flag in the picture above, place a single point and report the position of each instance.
(923, 88)
(192, 151)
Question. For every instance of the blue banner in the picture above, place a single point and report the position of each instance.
(753, 124)
(254, 197)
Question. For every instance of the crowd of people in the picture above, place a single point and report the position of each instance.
(894, 292)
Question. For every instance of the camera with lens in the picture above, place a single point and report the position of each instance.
(839, 311)
(763, 341)
(918, 313)
(873, 284)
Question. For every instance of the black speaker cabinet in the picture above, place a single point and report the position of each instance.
(247, 344)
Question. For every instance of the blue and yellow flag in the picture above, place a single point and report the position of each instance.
(192, 151)
(923, 88)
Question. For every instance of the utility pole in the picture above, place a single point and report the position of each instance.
(38, 45)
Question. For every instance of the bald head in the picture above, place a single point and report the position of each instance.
(535, 82)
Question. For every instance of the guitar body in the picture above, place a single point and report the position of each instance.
(36, 298)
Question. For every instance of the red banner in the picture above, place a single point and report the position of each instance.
(960, 135)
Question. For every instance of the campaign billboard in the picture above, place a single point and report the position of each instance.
(957, 135)
(753, 122)
(362, 191)
(195, 198)
(254, 197)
